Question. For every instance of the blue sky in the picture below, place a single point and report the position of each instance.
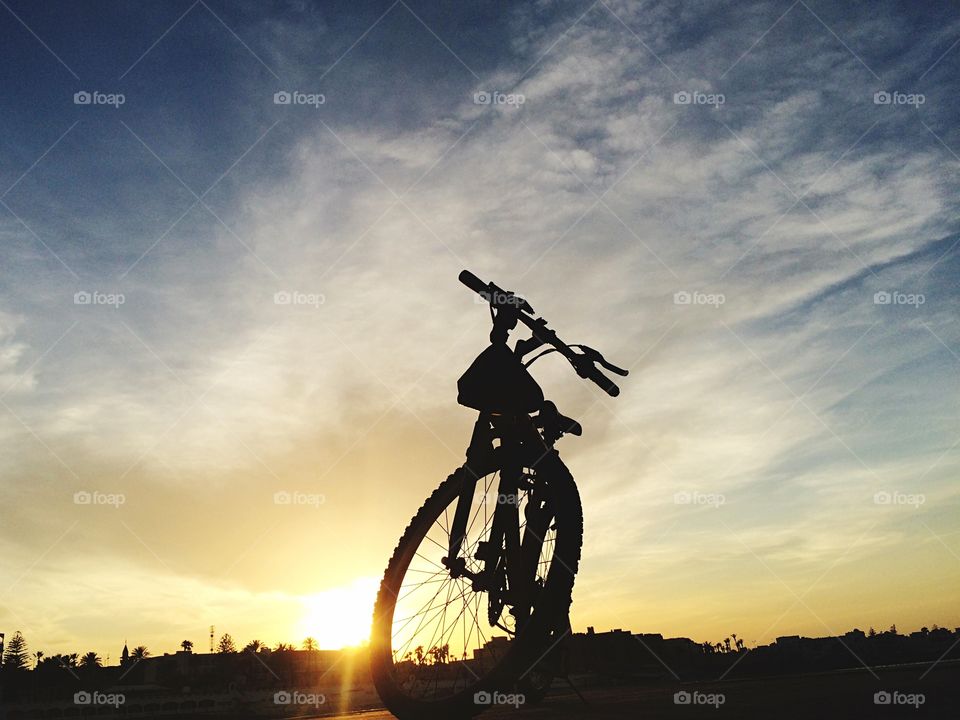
(795, 199)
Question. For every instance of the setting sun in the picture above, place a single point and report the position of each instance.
(339, 617)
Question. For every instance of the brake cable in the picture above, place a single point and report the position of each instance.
(529, 362)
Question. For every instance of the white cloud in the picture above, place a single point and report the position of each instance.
(702, 410)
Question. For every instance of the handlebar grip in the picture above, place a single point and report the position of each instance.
(473, 282)
(605, 383)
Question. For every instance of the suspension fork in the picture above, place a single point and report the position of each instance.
(505, 533)
(504, 544)
(504, 539)
(478, 455)
(521, 554)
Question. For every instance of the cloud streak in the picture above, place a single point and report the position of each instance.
(599, 198)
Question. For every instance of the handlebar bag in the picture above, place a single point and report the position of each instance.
(497, 381)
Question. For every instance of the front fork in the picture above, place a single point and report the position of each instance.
(481, 445)
(504, 545)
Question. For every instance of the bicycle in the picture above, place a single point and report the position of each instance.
(477, 593)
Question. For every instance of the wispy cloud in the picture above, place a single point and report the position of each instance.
(313, 337)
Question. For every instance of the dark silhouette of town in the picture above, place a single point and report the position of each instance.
(258, 680)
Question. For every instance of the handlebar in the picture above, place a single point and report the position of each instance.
(583, 362)
(473, 282)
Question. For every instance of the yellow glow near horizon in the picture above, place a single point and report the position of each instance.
(340, 617)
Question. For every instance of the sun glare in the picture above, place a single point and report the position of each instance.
(339, 617)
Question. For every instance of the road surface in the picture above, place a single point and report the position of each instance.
(847, 694)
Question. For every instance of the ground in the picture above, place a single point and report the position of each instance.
(846, 694)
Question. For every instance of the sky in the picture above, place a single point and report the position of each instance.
(208, 297)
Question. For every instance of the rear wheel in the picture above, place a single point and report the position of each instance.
(434, 651)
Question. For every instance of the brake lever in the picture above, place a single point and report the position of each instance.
(595, 356)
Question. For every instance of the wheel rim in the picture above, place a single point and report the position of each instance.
(441, 641)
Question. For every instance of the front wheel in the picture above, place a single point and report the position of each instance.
(435, 651)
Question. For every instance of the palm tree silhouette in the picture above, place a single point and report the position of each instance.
(90, 660)
(140, 652)
(439, 654)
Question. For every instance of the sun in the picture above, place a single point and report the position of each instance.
(339, 617)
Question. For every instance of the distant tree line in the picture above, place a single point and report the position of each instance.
(17, 656)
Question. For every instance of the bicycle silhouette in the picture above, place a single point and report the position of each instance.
(476, 596)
